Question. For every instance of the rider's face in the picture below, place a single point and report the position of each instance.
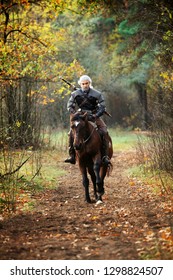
(85, 85)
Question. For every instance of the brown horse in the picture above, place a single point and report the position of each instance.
(88, 146)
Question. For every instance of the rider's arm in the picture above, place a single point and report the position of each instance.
(101, 106)
(71, 104)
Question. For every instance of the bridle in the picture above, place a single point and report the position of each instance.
(86, 140)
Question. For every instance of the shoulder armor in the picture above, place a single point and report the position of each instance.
(94, 92)
(76, 92)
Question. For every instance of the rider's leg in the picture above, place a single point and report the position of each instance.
(105, 157)
(72, 153)
(105, 138)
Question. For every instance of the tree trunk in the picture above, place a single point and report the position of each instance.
(142, 93)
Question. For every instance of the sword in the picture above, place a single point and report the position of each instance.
(68, 83)
(106, 113)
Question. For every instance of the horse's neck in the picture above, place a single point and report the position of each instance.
(88, 129)
(92, 137)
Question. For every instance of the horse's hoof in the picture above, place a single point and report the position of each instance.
(99, 202)
(88, 200)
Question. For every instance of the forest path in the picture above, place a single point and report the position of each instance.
(132, 223)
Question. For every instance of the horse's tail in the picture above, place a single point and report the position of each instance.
(109, 169)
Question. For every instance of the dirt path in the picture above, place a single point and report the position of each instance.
(132, 223)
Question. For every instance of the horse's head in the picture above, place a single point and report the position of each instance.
(78, 126)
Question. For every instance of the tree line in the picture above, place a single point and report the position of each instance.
(125, 46)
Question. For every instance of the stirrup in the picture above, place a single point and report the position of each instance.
(70, 160)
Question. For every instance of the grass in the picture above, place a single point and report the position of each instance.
(16, 191)
(159, 181)
(123, 140)
(56, 139)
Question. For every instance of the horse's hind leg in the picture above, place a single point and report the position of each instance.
(99, 182)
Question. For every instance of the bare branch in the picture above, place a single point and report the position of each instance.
(14, 171)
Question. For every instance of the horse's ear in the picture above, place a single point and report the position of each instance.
(71, 116)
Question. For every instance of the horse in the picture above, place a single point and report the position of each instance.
(87, 142)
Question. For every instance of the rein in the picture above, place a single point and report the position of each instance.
(86, 140)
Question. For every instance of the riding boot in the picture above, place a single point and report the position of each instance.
(105, 158)
(72, 153)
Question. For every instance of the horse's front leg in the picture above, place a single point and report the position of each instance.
(99, 181)
(93, 179)
(85, 182)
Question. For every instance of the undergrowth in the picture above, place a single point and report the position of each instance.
(17, 190)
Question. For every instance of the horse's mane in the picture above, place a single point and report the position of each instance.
(79, 115)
